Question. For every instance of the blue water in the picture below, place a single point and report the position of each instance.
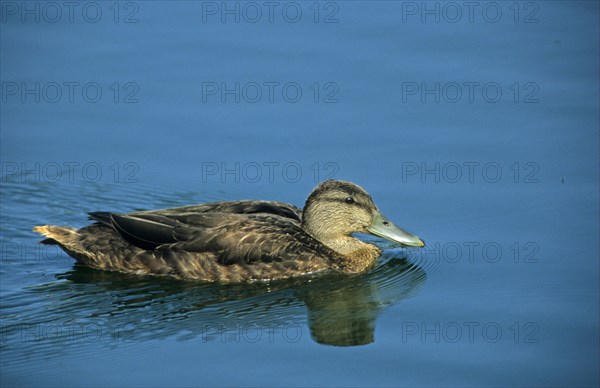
(476, 129)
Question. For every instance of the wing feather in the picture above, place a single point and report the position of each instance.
(256, 238)
(235, 232)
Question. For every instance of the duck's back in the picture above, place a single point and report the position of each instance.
(221, 241)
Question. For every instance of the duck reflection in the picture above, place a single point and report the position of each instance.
(342, 310)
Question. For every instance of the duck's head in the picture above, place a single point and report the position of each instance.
(335, 209)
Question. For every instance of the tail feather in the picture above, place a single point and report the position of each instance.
(56, 234)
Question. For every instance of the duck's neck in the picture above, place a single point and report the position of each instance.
(357, 256)
(353, 255)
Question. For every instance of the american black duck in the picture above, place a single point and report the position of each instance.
(236, 241)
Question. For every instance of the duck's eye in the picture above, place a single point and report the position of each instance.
(349, 200)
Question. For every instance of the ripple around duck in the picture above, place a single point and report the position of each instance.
(425, 258)
(332, 309)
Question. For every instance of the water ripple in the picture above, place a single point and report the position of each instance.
(58, 306)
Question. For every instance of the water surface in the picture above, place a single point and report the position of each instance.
(479, 135)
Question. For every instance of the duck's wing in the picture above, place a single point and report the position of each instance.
(235, 207)
(253, 238)
(151, 228)
(232, 237)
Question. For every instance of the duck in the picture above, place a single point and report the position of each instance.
(237, 241)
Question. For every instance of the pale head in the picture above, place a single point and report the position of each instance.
(335, 209)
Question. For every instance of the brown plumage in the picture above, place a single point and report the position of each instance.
(236, 241)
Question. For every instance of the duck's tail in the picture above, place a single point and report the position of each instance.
(69, 239)
(60, 235)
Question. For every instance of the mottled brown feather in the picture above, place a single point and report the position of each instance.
(226, 241)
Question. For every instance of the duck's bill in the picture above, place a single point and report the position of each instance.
(383, 227)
